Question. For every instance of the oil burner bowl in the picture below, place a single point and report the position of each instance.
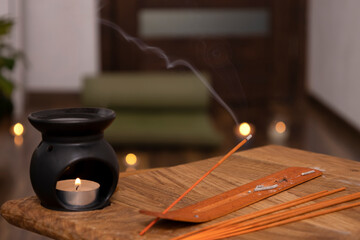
(72, 147)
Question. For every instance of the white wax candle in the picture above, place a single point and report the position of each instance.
(75, 194)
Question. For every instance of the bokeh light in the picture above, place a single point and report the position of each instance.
(280, 127)
(131, 159)
(244, 129)
(18, 129)
(18, 140)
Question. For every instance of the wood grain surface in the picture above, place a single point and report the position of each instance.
(155, 190)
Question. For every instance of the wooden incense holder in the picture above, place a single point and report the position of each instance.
(239, 197)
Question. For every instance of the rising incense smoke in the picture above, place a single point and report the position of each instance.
(170, 64)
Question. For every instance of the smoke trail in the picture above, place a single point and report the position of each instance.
(171, 64)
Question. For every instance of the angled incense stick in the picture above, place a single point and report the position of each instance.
(197, 182)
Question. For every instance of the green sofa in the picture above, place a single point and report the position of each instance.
(153, 108)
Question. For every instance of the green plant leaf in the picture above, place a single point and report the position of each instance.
(8, 56)
(5, 26)
(6, 87)
(6, 62)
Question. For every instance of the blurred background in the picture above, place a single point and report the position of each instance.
(287, 70)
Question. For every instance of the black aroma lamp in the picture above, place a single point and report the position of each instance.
(73, 147)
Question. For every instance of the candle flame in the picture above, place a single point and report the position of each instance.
(77, 183)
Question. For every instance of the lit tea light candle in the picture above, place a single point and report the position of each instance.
(77, 192)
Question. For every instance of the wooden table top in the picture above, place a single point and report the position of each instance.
(156, 189)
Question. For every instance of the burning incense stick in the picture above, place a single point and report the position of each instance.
(197, 182)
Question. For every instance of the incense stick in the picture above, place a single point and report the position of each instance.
(306, 216)
(274, 219)
(280, 222)
(265, 211)
(197, 182)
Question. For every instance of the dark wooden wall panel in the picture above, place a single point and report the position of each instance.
(267, 68)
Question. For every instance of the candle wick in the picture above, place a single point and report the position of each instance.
(77, 187)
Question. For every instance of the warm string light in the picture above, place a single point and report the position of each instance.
(17, 130)
(278, 132)
(131, 159)
(280, 127)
